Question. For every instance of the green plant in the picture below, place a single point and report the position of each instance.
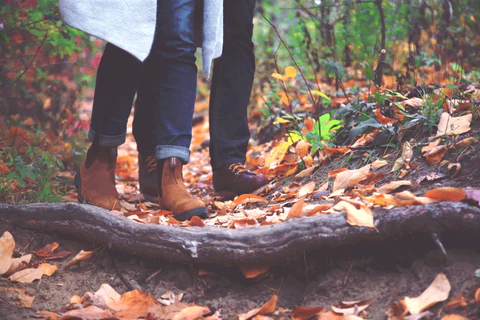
(31, 170)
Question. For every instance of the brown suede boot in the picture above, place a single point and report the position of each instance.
(172, 193)
(95, 181)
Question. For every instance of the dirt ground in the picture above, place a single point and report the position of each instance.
(377, 274)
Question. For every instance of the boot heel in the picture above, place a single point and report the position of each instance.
(225, 195)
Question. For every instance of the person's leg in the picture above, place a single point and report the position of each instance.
(232, 83)
(172, 73)
(115, 88)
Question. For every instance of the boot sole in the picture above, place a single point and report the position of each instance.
(187, 215)
(230, 195)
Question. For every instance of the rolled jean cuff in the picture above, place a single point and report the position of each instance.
(107, 141)
(165, 152)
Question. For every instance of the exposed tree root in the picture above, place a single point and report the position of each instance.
(227, 246)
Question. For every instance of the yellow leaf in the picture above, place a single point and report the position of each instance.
(290, 72)
(48, 269)
(438, 291)
(281, 120)
(278, 76)
(277, 153)
(321, 94)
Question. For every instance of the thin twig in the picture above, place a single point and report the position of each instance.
(31, 61)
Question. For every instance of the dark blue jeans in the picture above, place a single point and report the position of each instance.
(169, 79)
(231, 86)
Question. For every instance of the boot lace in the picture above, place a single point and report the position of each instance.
(237, 168)
(151, 163)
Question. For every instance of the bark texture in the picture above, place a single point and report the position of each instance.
(232, 246)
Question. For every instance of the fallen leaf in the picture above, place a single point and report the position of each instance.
(437, 291)
(351, 178)
(477, 295)
(277, 154)
(362, 217)
(413, 102)
(88, 313)
(132, 304)
(48, 269)
(47, 252)
(350, 308)
(446, 194)
(449, 125)
(306, 173)
(306, 189)
(296, 211)
(195, 221)
(18, 264)
(435, 155)
(251, 272)
(385, 200)
(267, 308)
(82, 255)
(318, 208)
(454, 317)
(419, 316)
(417, 200)
(246, 198)
(465, 142)
(27, 275)
(7, 246)
(302, 147)
(457, 302)
(456, 168)
(26, 299)
(191, 313)
(377, 164)
(301, 313)
(334, 173)
(405, 158)
(393, 185)
(431, 145)
(48, 315)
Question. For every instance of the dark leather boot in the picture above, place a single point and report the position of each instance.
(235, 179)
(95, 181)
(172, 193)
(147, 177)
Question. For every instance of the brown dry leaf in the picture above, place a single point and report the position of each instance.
(48, 315)
(437, 291)
(377, 164)
(133, 304)
(82, 255)
(296, 211)
(267, 308)
(431, 145)
(251, 272)
(417, 200)
(385, 200)
(465, 142)
(301, 313)
(302, 147)
(449, 125)
(446, 194)
(455, 166)
(27, 275)
(477, 295)
(47, 252)
(393, 185)
(334, 173)
(457, 302)
(308, 160)
(397, 311)
(108, 294)
(454, 317)
(88, 313)
(246, 198)
(405, 158)
(191, 313)
(19, 264)
(350, 308)
(26, 299)
(306, 189)
(7, 246)
(48, 269)
(413, 102)
(362, 217)
(196, 222)
(306, 173)
(318, 208)
(309, 124)
(351, 178)
(435, 155)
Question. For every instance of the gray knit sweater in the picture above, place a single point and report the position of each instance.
(130, 24)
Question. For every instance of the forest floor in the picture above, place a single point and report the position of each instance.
(379, 276)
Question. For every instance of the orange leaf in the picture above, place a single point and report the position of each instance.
(309, 124)
(454, 317)
(319, 208)
(453, 125)
(302, 147)
(191, 313)
(446, 194)
(351, 178)
(306, 189)
(466, 142)
(47, 252)
(90, 312)
(247, 198)
(477, 295)
(393, 185)
(334, 173)
(82, 255)
(7, 246)
(336, 151)
(457, 302)
(362, 217)
(296, 211)
(301, 313)
(196, 222)
(267, 308)
(252, 272)
(132, 304)
(436, 154)
(381, 118)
